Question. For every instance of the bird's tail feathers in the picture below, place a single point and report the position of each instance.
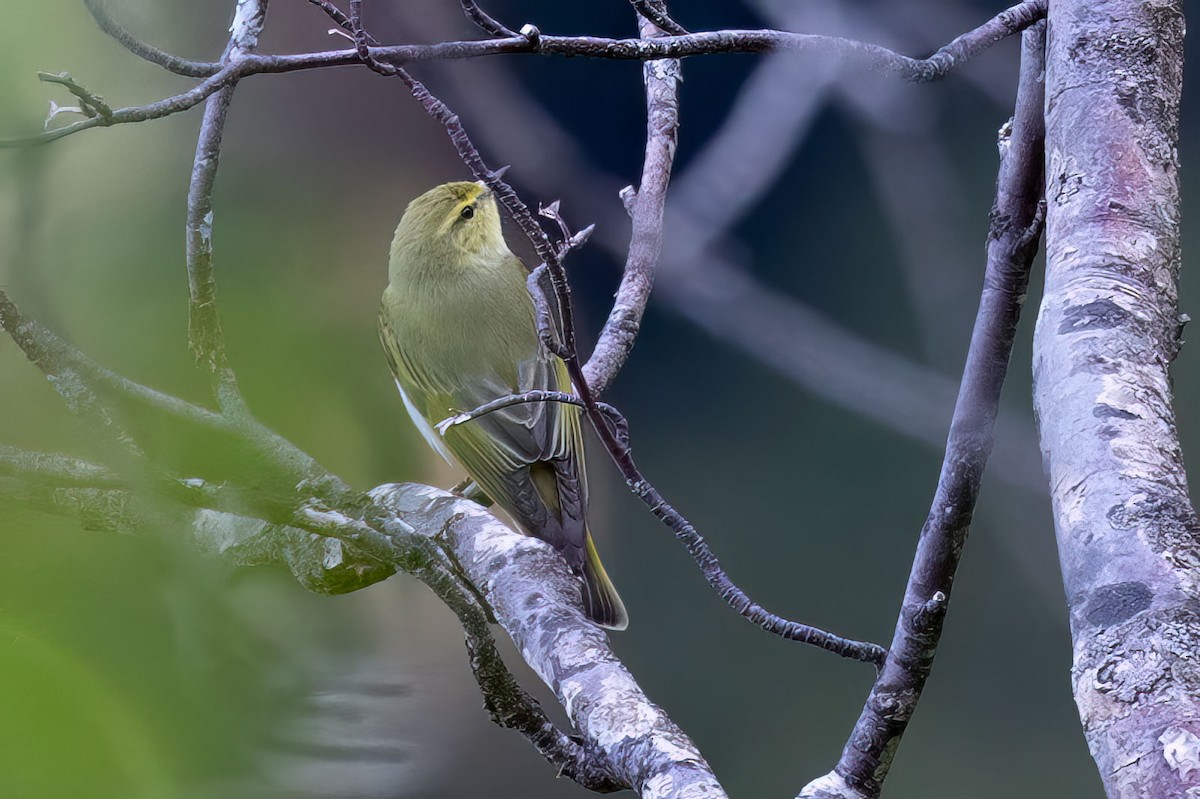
(600, 598)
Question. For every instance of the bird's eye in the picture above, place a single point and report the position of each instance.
(468, 211)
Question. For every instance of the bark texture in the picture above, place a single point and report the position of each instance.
(537, 602)
(1129, 541)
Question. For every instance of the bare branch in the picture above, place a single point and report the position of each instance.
(1017, 219)
(645, 244)
(171, 63)
(570, 654)
(91, 104)
(204, 323)
(655, 12)
(508, 704)
(867, 56)
(55, 469)
(339, 18)
(486, 21)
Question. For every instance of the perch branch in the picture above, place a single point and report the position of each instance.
(508, 704)
(1017, 220)
(569, 653)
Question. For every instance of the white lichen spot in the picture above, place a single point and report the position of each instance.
(334, 554)
(624, 712)
(828, 784)
(1181, 748)
(675, 750)
(568, 691)
(579, 648)
(244, 28)
(494, 542)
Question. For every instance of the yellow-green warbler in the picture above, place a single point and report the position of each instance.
(458, 328)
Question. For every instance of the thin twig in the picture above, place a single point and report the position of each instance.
(91, 103)
(645, 244)
(655, 11)
(171, 63)
(1017, 220)
(204, 323)
(486, 21)
(339, 18)
(869, 56)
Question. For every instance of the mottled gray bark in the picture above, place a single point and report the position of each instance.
(537, 602)
(1108, 328)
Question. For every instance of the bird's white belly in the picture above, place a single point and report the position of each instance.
(427, 431)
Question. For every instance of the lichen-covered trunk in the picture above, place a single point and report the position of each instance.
(1109, 325)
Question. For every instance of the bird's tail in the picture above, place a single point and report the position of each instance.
(600, 599)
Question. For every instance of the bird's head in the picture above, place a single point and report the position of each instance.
(454, 225)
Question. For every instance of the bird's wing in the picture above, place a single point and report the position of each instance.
(527, 457)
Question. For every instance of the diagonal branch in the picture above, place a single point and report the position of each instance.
(70, 385)
(569, 653)
(508, 704)
(647, 206)
(1017, 220)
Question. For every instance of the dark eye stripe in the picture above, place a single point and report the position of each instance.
(468, 211)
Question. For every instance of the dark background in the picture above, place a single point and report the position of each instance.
(133, 667)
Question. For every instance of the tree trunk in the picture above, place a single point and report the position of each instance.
(1128, 537)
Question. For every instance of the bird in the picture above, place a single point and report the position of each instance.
(459, 329)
